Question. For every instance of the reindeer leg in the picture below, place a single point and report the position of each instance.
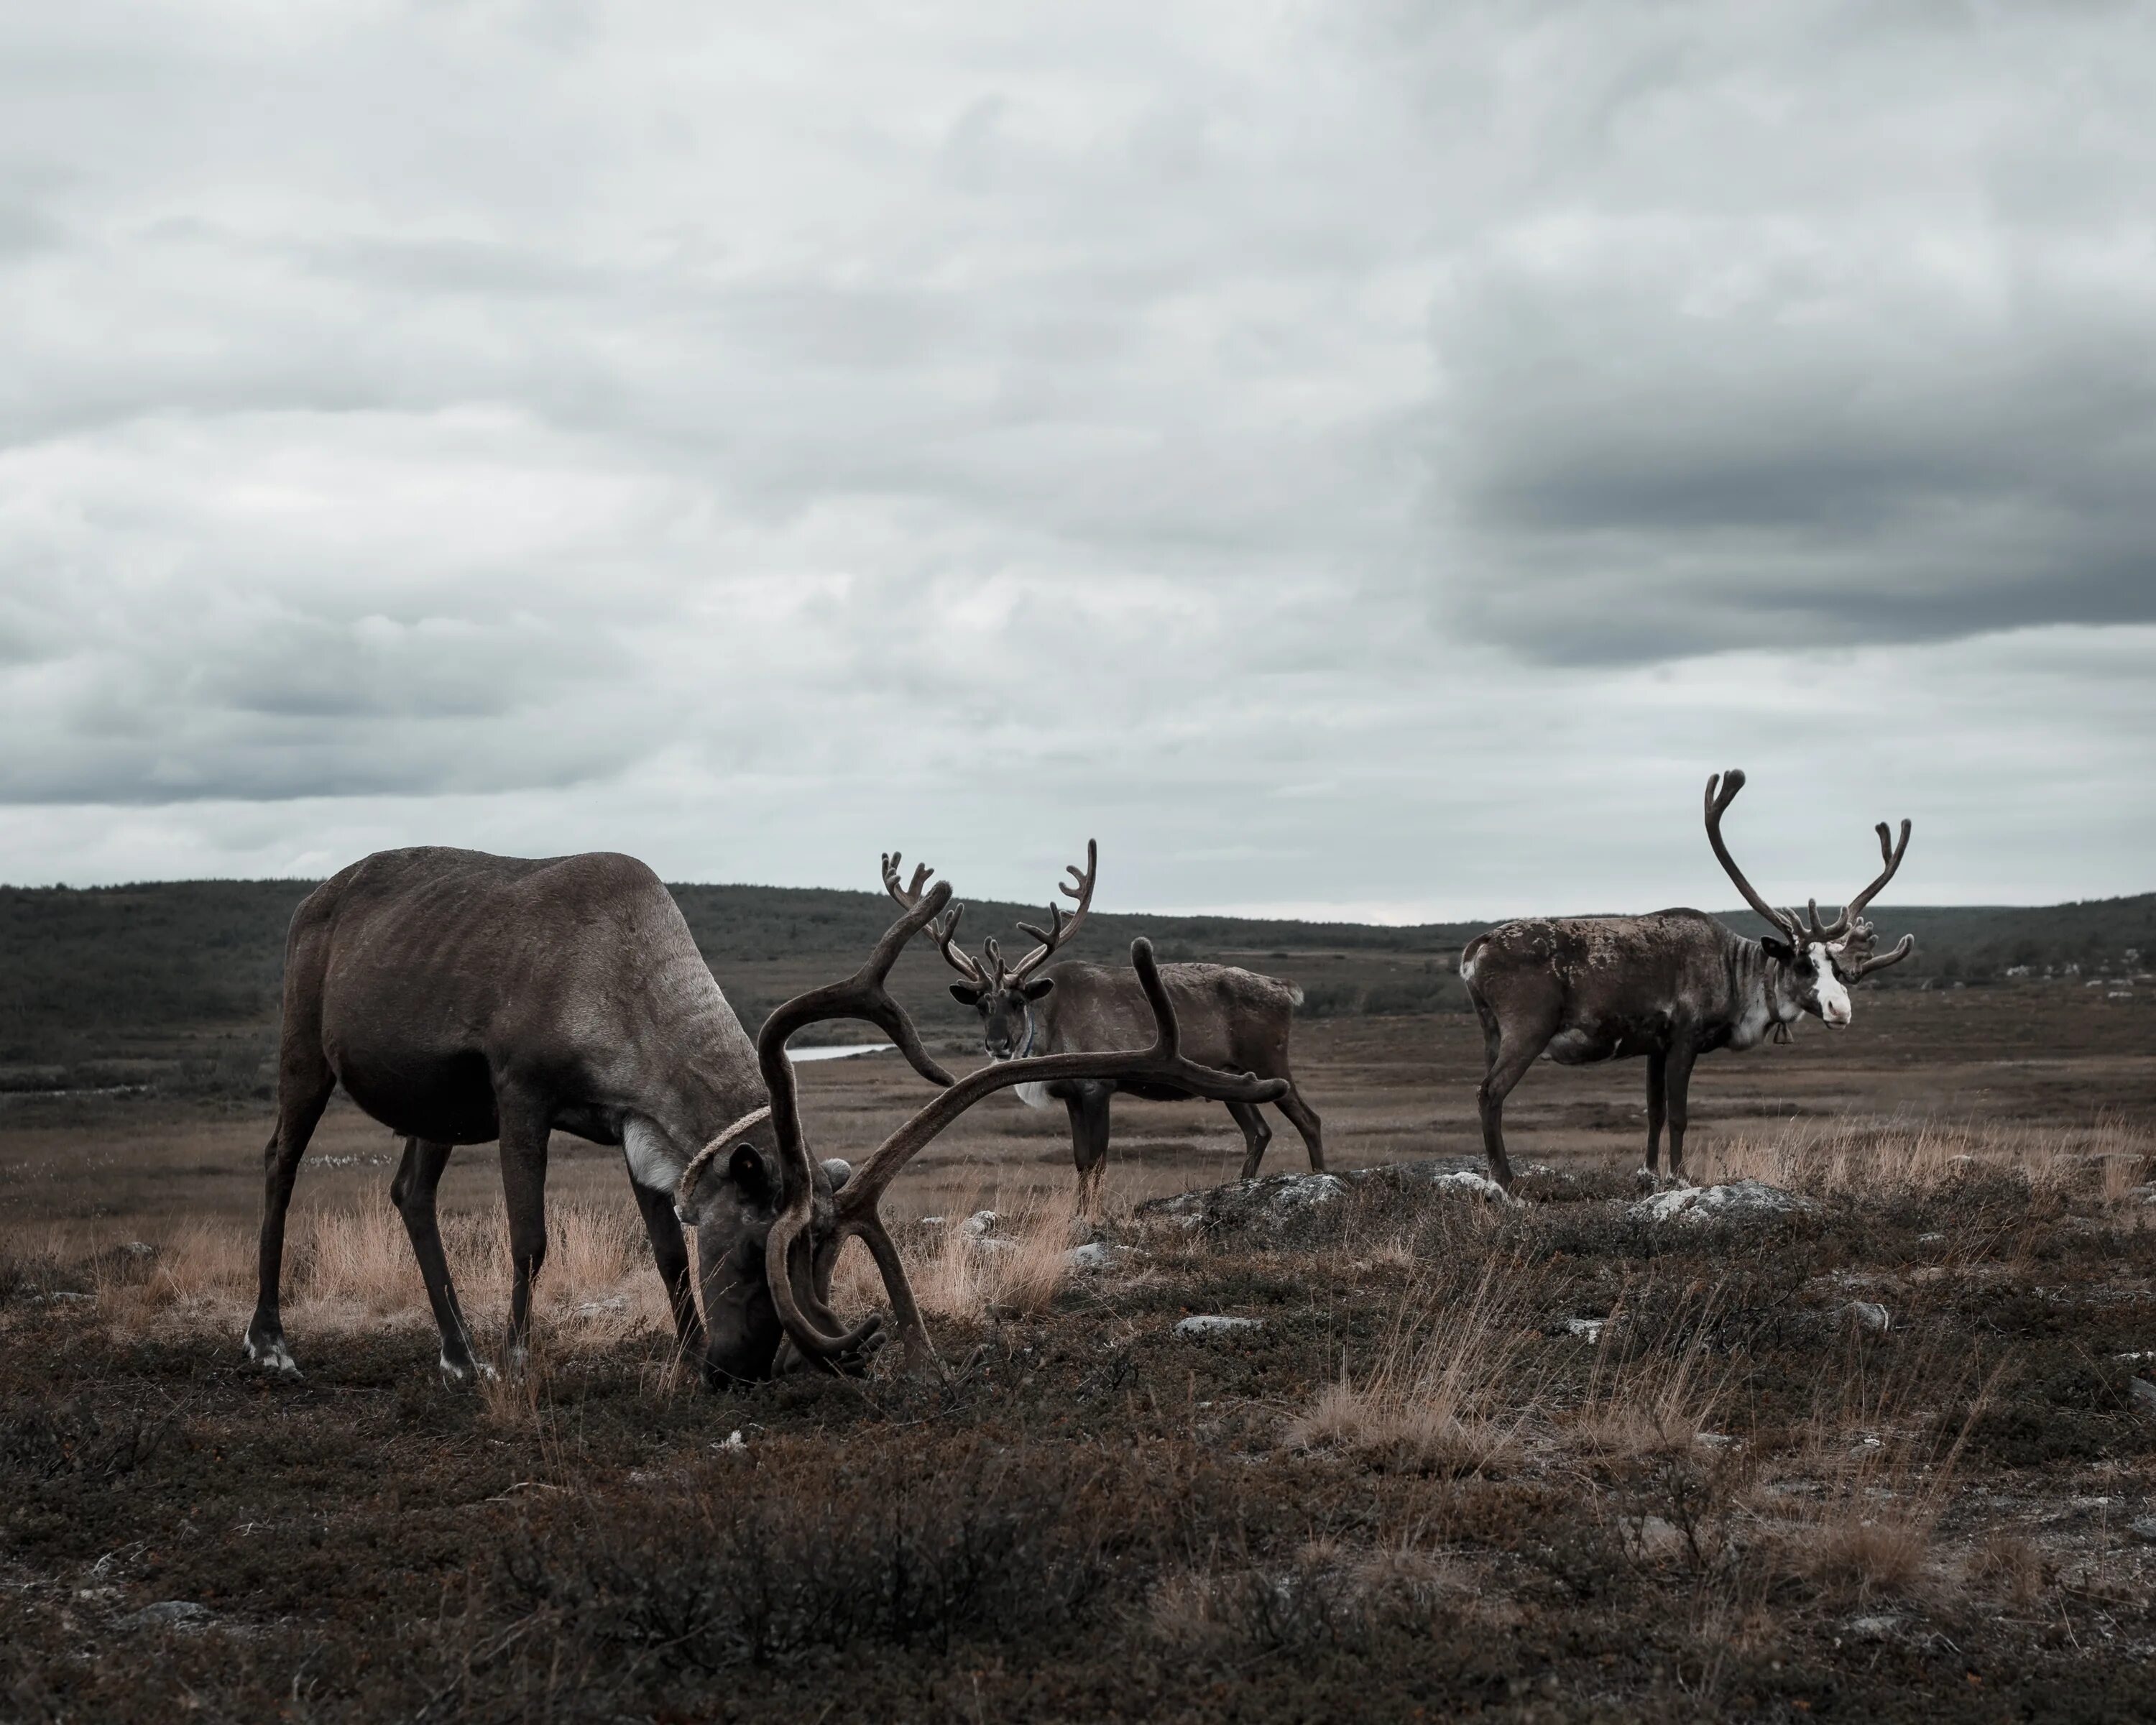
(1089, 1140)
(304, 1084)
(1515, 1051)
(1681, 1056)
(670, 1251)
(524, 1129)
(1256, 1135)
(413, 1193)
(1303, 1119)
(1657, 1095)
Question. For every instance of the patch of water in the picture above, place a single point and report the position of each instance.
(837, 1052)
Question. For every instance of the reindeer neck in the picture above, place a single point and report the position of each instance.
(1764, 999)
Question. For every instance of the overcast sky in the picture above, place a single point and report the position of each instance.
(1351, 459)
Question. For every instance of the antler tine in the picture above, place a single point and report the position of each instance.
(907, 897)
(1902, 949)
(1890, 853)
(944, 928)
(1731, 783)
(1063, 925)
(856, 1203)
(862, 995)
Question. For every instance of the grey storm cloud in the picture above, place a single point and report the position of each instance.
(1338, 453)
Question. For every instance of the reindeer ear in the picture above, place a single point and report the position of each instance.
(1779, 950)
(965, 994)
(1038, 987)
(747, 1169)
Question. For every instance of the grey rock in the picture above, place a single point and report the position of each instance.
(1738, 1202)
(1883, 1628)
(171, 1614)
(1273, 1201)
(1869, 1315)
(1270, 1202)
(2144, 1393)
(1204, 1325)
(2143, 1528)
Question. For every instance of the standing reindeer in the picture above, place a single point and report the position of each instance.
(775, 1223)
(1233, 1019)
(1671, 986)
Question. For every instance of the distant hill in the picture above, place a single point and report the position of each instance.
(179, 980)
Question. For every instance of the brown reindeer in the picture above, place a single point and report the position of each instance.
(1671, 986)
(461, 998)
(775, 1223)
(1232, 1019)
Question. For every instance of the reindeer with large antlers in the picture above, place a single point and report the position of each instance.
(1234, 1018)
(1671, 986)
(769, 1228)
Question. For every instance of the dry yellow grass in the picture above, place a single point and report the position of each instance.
(1016, 1268)
(1432, 1400)
(1656, 1404)
(1866, 1159)
(352, 1269)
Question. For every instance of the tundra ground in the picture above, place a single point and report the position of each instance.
(1881, 1457)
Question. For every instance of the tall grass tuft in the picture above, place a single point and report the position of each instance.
(1431, 1400)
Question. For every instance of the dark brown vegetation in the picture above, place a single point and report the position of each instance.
(1414, 1489)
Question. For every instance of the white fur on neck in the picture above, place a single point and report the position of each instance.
(653, 1162)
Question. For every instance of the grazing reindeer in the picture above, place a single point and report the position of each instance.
(777, 1226)
(460, 997)
(1234, 1018)
(1671, 986)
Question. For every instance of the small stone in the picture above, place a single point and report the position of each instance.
(1715, 1440)
(980, 1223)
(1199, 1328)
(171, 1614)
(1871, 1316)
(1874, 1629)
(1097, 1255)
(2143, 1528)
(732, 1440)
(1587, 1329)
(601, 1308)
(2144, 1393)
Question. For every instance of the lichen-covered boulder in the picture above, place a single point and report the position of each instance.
(1738, 1202)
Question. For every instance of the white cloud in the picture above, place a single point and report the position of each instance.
(1368, 459)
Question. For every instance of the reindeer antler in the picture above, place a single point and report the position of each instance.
(944, 928)
(792, 1272)
(1902, 949)
(1890, 853)
(1731, 782)
(1062, 927)
(862, 995)
(856, 1205)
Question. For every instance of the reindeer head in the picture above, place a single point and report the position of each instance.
(1820, 961)
(732, 1193)
(1003, 996)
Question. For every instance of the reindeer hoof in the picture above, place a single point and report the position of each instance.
(1646, 1179)
(271, 1353)
(456, 1373)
